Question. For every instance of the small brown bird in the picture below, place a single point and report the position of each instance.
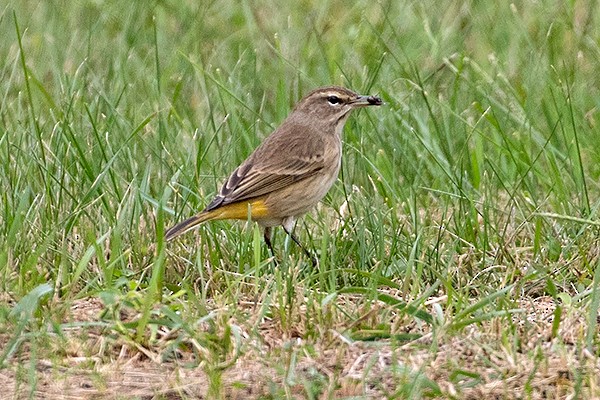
(291, 171)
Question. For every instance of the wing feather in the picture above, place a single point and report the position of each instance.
(281, 160)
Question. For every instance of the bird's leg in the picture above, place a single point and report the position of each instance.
(267, 236)
(288, 227)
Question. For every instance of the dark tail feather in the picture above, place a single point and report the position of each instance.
(186, 225)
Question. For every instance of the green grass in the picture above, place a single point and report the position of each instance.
(460, 244)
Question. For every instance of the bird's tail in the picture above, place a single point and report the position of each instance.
(255, 209)
(187, 225)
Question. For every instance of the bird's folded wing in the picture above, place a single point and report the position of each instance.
(249, 181)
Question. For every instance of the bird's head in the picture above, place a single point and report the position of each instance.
(333, 104)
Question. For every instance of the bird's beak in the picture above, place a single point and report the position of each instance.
(364, 101)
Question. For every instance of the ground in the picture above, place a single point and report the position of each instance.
(271, 363)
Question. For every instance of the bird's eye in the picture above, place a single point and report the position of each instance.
(334, 100)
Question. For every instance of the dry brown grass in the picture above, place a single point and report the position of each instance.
(277, 362)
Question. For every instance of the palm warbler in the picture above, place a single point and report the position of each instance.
(291, 171)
